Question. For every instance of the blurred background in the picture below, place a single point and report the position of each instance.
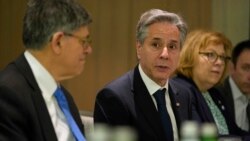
(113, 34)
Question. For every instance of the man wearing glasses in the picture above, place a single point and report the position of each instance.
(33, 104)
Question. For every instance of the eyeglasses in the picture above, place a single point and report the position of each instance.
(213, 56)
(84, 42)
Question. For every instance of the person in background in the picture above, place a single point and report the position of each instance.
(131, 99)
(202, 66)
(236, 87)
(56, 39)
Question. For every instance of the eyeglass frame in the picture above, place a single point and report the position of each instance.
(214, 56)
(84, 42)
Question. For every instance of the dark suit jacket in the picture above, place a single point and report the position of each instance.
(24, 115)
(226, 91)
(201, 111)
(127, 102)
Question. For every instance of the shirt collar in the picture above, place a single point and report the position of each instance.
(45, 81)
(150, 84)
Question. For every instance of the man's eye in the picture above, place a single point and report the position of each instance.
(156, 45)
(172, 46)
(246, 68)
(83, 42)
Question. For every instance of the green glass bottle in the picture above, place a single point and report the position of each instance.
(208, 132)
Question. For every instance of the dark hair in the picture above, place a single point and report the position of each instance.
(45, 17)
(238, 49)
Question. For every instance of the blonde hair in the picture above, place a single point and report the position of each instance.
(197, 40)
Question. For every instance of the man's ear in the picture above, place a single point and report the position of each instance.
(56, 42)
(138, 49)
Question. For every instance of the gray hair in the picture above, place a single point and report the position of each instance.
(156, 15)
(45, 17)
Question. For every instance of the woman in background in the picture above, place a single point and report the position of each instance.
(203, 65)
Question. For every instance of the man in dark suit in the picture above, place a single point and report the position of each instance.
(130, 100)
(236, 87)
(55, 35)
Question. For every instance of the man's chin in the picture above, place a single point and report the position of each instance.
(246, 91)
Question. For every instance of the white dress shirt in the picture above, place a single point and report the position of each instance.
(48, 85)
(152, 88)
(240, 106)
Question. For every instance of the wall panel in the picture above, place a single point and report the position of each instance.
(114, 40)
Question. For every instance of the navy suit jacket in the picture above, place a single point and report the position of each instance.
(201, 111)
(24, 115)
(127, 102)
(226, 91)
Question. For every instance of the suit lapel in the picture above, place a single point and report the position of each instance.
(202, 109)
(44, 117)
(38, 101)
(229, 97)
(172, 93)
(248, 116)
(146, 105)
(74, 110)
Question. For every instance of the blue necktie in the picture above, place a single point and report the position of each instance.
(166, 121)
(63, 104)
